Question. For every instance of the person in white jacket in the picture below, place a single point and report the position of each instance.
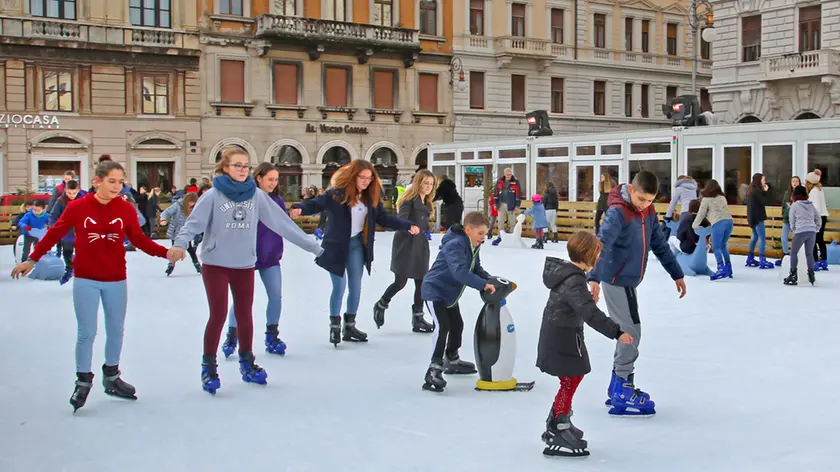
(817, 197)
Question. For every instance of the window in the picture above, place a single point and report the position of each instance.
(428, 17)
(62, 9)
(826, 158)
(628, 99)
(809, 28)
(777, 167)
(384, 90)
(517, 93)
(600, 30)
(705, 102)
(628, 34)
(645, 35)
(155, 174)
(383, 13)
(645, 101)
(285, 8)
(230, 7)
(600, 98)
(705, 47)
(672, 39)
(428, 92)
(736, 178)
(662, 169)
(557, 25)
(558, 174)
(557, 84)
(336, 10)
(286, 83)
(232, 81)
(477, 17)
(670, 92)
(336, 86)
(699, 165)
(155, 95)
(477, 90)
(153, 13)
(517, 20)
(751, 38)
(58, 90)
(585, 183)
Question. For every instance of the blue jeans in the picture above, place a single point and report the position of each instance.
(785, 238)
(352, 279)
(721, 231)
(758, 236)
(273, 282)
(86, 296)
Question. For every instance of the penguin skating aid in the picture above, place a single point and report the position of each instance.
(495, 342)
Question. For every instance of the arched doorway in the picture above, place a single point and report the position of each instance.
(422, 159)
(334, 158)
(287, 160)
(55, 154)
(807, 116)
(749, 119)
(219, 153)
(384, 161)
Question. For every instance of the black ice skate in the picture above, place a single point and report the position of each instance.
(84, 381)
(114, 385)
(792, 279)
(197, 266)
(379, 313)
(811, 276)
(351, 333)
(434, 378)
(418, 323)
(335, 330)
(454, 365)
(578, 433)
(561, 441)
(169, 269)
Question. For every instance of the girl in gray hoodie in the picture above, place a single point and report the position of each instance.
(805, 221)
(228, 215)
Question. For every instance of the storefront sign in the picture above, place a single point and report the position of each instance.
(310, 128)
(8, 120)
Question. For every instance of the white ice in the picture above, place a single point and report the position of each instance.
(741, 371)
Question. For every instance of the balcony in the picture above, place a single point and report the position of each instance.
(801, 65)
(317, 34)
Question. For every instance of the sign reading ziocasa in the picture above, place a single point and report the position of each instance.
(327, 129)
(14, 120)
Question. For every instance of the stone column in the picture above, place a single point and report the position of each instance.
(312, 174)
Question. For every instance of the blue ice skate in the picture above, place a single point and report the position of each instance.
(230, 343)
(763, 263)
(251, 372)
(273, 343)
(429, 235)
(66, 277)
(209, 376)
(497, 241)
(627, 400)
(751, 262)
(319, 234)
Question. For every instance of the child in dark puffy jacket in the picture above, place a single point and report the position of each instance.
(561, 351)
(685, 232)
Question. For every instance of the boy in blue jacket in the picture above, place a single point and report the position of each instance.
(630, 230)
(35, 218)
(456, 267)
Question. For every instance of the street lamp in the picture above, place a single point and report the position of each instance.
(695, 20)
(457, 66)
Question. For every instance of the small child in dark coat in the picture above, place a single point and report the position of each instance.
(685, 232)
(561, 351)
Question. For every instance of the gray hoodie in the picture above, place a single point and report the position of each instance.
(684, 192)
(230, 229)
(804, 217)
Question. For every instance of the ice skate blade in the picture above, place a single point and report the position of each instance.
(561, 451)
(421, 330)
(432, 388)
(459, 372)
(117, 395)
(618, 412)
(354, 340)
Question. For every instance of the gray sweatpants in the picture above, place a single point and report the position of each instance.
(808, 240)
(623, 308)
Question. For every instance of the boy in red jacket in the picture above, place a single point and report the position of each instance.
(101, 220)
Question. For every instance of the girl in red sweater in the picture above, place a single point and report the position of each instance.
(101, 221)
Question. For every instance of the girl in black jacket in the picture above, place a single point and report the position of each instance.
(550, 200)
(561, 351)
(756, 200)
(453, 206)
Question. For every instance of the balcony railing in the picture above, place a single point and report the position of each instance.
(799, 65)
(293, 27)
(526, 47)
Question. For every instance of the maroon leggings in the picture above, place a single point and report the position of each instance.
(563, 400)
(216, 282)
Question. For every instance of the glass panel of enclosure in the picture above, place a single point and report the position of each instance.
(662, 169)
(557, 173)
(610, 171)
(562, 151)
(485, 154)
(660, 147)
(587, 150)
(611, 150)
(737, 165)
(467, 155)
(443, 156)
(777, 167)
(478, 185)
(699, 165)
(520, 171)
(585, 183)
(512, 153)
(825, 157)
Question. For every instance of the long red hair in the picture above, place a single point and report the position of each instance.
(345, 179)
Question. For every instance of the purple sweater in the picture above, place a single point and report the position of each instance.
(269, 244)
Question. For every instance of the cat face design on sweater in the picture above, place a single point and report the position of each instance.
(109, 233)
(238, 213)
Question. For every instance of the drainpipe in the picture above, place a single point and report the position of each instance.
(576, 29)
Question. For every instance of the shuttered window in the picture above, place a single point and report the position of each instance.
(336, 86)
(286, 85)
(557, 25)
(477, 90)
(383, 89)
(751, 38)
(429, 92)
(517, 93)
(517, 20)
(232, 81)
(671, 45)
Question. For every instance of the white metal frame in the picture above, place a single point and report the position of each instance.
(803, 161)
(83, 158)
(684, 158)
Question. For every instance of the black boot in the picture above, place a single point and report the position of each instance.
(379, 313)
(453, 364)
(351, 333)
(169, 269)
(335, 330)
(556, 237)
(576, 431)
(434, 381)
(418, 323)
(114, 385)
(811, 276)
(560, 440)
(792, 279)
(84, 381)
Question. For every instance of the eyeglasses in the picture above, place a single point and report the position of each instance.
(241, 167)
(365, 179)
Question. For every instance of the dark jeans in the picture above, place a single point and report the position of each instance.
(28, 241)
(450, 329)
(67, 248)
(399, 283)
(823, 252)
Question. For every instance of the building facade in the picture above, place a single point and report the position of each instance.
(311, 84)
(84, 78)
(776, 60)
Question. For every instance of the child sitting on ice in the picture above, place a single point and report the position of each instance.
(539, 222)
(685, 233)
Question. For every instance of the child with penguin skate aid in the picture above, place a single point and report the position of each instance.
(630, 229)
(561, 351)
(456, 267)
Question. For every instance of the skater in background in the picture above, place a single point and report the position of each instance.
(228, 215)
(456, 267)
(494, 213)
(24, 209)
(269, 254)
(551, 202)
(620, 270)
(410, 253)
(685, 231)
(715, 209)
(685, 192)
(605, 186)
(756, 200)
(36, 218)
(561, 351)
(539, 222)
(71, 193)
(452, 209)
(152, 210)
(507, 194)
(58, 191)
(805, 221)
(101, 220)
(354, 208)
(174, 218)
(787, 201)
(817, 197)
